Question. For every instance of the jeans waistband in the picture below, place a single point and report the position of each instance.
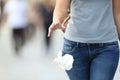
(96, 44)
(100, 44)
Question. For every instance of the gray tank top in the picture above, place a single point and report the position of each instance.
(91, 21)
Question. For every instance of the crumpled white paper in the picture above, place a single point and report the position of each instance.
(65, 62)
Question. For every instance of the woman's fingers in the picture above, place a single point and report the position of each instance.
(50, 30)
(54, 27)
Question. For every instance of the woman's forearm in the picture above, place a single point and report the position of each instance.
(116, 11)
(61, 10)
(117, 21)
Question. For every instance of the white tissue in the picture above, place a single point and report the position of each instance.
(65, 62)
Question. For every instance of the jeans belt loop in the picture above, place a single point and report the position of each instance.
(77, 44)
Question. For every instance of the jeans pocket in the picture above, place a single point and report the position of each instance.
(68, 47)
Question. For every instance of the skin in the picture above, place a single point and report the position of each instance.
(116, 11)
(59, 18)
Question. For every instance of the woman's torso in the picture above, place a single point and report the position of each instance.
(91, 22)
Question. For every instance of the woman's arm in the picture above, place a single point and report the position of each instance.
(116, 11)
(61, 10)
(60, 13)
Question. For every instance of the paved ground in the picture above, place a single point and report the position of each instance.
(33, 63)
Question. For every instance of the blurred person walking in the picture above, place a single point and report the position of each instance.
(15, 16)
(91, 37)
(45, 9)
(2, 5)
(1, 9)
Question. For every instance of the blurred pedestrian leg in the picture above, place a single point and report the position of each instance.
(19, 38)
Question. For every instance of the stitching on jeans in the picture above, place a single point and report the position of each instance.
(89, 50)
(75, 47)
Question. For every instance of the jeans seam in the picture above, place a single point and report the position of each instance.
(74, 47)
(88, 50)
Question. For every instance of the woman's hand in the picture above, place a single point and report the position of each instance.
(60, 13)
(54, 26)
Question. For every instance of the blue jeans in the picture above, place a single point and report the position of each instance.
(92, 61)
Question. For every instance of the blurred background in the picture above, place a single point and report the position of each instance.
(26, 53)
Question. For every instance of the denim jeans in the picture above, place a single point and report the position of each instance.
(92, 61)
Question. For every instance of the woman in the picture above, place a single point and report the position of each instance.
(90, 37)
